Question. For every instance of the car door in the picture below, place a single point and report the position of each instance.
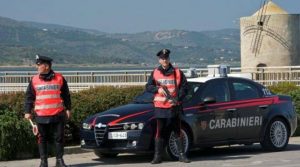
(212, 117)
(250, 106)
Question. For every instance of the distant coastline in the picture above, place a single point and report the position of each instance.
(79, 67)
(84, 67)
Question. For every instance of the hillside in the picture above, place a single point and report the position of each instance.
(20, 41)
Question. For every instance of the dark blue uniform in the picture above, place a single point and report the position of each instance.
(168, 115)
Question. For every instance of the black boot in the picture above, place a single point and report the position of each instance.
(44, 163)
(43, 154)
(158, 151)
(182, 157)
(59, 155)
(59, 150)
(60, 163)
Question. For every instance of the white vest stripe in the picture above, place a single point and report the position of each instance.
(41, 107)
(54, 96)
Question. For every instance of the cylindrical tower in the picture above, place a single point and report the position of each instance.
(270, 37)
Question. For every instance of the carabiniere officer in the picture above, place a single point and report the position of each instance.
(48, 98)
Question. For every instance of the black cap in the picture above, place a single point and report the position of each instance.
(164, 53)
(42, 59)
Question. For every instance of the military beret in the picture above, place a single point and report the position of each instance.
(164, 53)
(42, 59)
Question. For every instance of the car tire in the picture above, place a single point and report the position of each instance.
(170, 151)
(277, 135)
(105, 155)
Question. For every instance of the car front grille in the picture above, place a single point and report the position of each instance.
(101, 130)
(100, 133)
(116, 128)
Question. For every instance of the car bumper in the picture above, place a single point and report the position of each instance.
(136, 141)
(294, 125)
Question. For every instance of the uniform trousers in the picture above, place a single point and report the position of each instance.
(47, 132)
(168, 124)
(50, 130)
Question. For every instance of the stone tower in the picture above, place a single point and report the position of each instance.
(270, 37)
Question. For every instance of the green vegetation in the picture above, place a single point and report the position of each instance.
(286, 88)
(20, 41)
(16, 139)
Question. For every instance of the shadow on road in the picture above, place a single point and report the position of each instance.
(121, 159)
(293, 147)
(215, 154)
(235, 152)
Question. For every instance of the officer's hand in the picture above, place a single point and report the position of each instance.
(68, 113)
(27, 116)
(172, 103)
(162, 91)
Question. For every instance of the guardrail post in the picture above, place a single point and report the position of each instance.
(145, 76)
(126, 76)
(77, 78)
(92, 77)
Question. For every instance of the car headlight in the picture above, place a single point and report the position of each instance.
(86, 126)
(125, 126)
(133, 126)
(140, 126)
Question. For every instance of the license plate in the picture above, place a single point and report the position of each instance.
(117, 135)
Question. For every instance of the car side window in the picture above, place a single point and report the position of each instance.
(193, 87)
(219, 90)
(244, 90)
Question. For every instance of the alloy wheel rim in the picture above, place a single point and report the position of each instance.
(173, 145)
(278, 134)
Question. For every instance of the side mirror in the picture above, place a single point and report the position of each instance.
(209, 100)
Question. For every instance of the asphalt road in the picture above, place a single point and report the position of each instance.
(233, 156)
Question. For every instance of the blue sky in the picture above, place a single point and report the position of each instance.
(131, 16)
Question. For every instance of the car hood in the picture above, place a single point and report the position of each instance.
(125, 113)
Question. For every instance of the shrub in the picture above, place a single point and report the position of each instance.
(16, 138)
(292, 90)
(283, 88)
(13, 102)
(296, 99)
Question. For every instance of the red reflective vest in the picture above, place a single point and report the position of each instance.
(161, 101)
(48, 100)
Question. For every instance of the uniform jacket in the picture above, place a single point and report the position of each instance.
(167, 81)
(48, 101)
(34, 98)
(153, 87)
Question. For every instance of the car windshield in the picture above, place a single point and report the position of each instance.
(147, 97)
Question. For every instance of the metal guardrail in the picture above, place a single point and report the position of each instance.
(88, 76)
(15, 81)
(81, 76)
(74, 87)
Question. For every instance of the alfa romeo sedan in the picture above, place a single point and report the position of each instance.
(217, 111)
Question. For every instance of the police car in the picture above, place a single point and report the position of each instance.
(217, 111)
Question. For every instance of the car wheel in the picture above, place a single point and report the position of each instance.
(277, 135)
(105, 155)
(171, 151)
